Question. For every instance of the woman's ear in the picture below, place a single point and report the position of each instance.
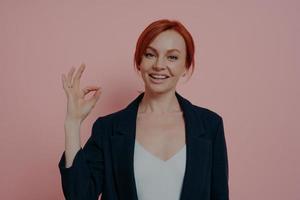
(185, 71)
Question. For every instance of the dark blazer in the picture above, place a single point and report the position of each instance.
(105, 163)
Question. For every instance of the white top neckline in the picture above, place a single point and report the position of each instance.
(179, 152)
(156, 178)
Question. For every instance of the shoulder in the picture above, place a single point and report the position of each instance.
(105, 120)
(102, 125)
(210, 118)
(207, 113)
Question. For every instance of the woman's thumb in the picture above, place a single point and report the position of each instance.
(95, 97)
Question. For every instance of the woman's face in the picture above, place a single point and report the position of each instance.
(166, 56)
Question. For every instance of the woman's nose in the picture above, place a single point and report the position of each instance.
(159, 64)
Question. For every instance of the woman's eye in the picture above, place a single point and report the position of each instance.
(174, 57)
(147, 54)
(151, 55)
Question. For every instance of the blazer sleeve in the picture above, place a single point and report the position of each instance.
(220, 178)
(84, 179)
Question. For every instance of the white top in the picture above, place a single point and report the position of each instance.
(158, 179)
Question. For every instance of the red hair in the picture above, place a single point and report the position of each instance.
(154, 29)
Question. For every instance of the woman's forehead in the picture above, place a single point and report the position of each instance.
(167, 41)
(167, 49)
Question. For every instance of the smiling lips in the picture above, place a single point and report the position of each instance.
(158, 76)
(157, 79)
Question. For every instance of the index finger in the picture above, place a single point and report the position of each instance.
(78, 75)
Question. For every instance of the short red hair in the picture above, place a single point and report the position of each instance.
(154, 29)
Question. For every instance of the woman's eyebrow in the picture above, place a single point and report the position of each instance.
(169, 50)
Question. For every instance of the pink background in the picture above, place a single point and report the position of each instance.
(247, 70)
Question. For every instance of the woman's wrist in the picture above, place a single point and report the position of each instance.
(72, 126)
(72, 121)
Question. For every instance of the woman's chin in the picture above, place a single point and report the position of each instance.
(157, 88)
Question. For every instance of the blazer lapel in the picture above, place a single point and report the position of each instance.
(123, 140)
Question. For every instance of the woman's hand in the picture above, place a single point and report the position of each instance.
(78, 108)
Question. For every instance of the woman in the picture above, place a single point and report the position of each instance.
(161, 146)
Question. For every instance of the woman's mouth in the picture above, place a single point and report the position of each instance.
(158, 78)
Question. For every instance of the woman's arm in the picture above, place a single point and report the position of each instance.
(72, 141)
(220, 178)
(81, 168)
(84, 179)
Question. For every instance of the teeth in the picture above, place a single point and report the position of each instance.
(158, 76)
